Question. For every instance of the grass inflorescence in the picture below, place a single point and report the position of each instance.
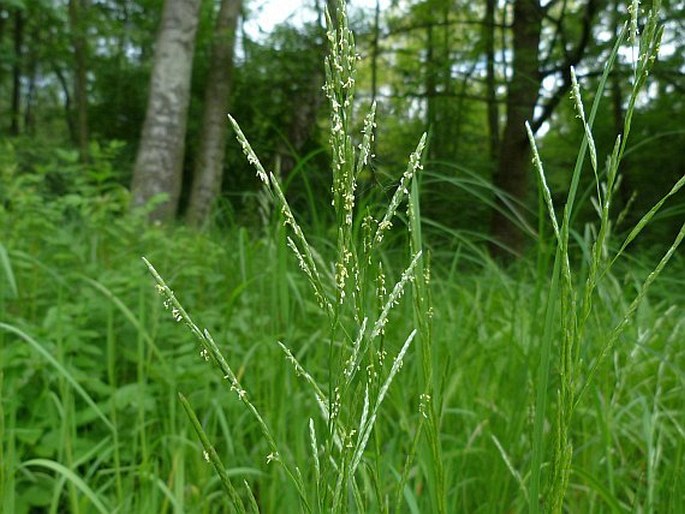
(356, 380)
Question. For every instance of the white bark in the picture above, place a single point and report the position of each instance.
(209, 165)
(159, 163)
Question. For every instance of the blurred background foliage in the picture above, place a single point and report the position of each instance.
(425, 62)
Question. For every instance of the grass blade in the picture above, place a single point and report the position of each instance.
(212, 457)
(71, 477)
(7, 267)
(60, 369)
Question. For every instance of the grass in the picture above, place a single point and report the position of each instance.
(628, 432)
(300, 381)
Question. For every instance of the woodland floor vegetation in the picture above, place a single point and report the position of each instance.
(78, 309)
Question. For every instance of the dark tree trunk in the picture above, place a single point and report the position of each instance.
(449, 111)
(29, 115)
(442, 111)
(3, 22)
(159, 163)
(490, 83)
(513, 165)
(68, 114)
(209, 165)
(77, 11)
(375, 55)
(431, 112)
(306, 109)
(332, 6)
(17, 71)
(625, 187)
(307, 103)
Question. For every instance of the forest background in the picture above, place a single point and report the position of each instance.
(75, 82)
(115, 144)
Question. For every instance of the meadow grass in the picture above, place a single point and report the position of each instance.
(370, 372)
(131, 359)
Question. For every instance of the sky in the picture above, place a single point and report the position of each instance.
(266, 14)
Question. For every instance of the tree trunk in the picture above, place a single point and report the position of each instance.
(375, 56)
(77, 10)
(31, 74)
(209, 164)
(513, 166)
(430, 86)
(490, 84)
(159, 162)
(16, 71)
(67, 100)
(625, 187)
(442, 119)
(307, 102)
(3, 23)
(332, 6)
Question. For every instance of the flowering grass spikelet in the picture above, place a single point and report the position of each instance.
(402, 190)
(250, 153)
(394, 297)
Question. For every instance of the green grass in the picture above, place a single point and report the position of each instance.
(131, 359)
(263, 379)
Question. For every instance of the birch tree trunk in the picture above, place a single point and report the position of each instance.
(209, 165)
(159, 163)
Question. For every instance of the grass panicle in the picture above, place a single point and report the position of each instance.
(342, 300)
(575, 303)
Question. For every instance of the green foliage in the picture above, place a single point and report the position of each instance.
(507, 366)
(53, 184)
(110, 334)
(430, 77)
(271, 86)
